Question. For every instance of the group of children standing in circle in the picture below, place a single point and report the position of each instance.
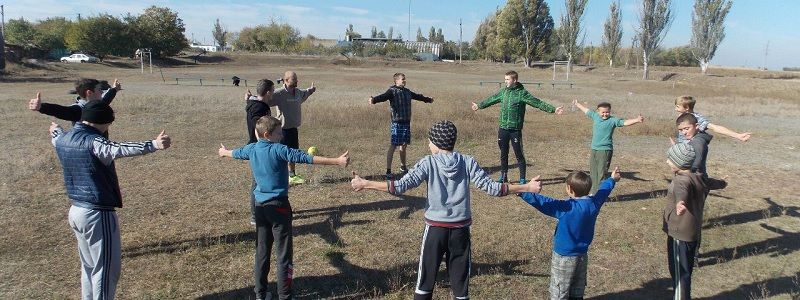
(87, 158)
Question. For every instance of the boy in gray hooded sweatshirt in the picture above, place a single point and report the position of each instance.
(447, 213)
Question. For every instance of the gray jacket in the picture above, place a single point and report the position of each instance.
(448, 176)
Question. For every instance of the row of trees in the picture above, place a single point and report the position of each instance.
(524, 29)
(157, 28)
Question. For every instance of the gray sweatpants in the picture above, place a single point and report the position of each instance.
(97, 232)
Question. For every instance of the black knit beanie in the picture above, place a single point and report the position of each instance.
(443, 134)
(97, 112)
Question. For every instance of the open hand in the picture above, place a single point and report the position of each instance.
(344, 159)
(559, 110)
(357, 183)
(117, 85)
(640, 119)
(680, 208)
(162, 141)
(35, 103)
(312, 89)
(54, 126)
(248, 95)
(615, 175)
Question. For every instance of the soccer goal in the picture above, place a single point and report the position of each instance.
(561, 70)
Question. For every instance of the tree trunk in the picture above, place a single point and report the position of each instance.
(646, 71)
(528, 62)
(704, 66)
(611, 63)
(2, 53)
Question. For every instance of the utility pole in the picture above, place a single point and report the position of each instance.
(766, 52)
(2, 39)
(460, 35)
(409, 19)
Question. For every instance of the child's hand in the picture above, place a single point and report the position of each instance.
(534, 186)
(344, 159)
(640, 119)
(312, 89)
(672, 141)
(744, 136)
(559, 110)
(54, 127)
(615, 175)
(222, 152)
(117, 85)
(680, 208)
(35, 103)
(162, 141)
(357, 183)
(474, 106)
(371, 100)
(248, 95)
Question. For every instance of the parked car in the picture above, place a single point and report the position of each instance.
(79, 58)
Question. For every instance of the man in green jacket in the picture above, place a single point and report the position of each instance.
(513, 99)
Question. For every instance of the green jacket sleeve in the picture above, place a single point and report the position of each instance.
(494, 99)
(535, 102)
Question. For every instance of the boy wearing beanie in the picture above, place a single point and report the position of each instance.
(574, 231)
(683, 217)
(87, 158)
(448, 215)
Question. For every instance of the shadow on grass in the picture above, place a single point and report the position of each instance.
(784, 244)
(355, 282)
(789, 285)
(326, 228)
(639, 196)
(660, 288)
(773, 210)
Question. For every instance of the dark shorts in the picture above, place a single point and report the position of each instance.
(290, 138)
(401, 133)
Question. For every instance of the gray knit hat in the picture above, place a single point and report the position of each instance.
(681, 155)
(443, 134)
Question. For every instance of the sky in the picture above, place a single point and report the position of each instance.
(758, 32)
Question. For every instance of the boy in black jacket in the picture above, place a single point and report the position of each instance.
(72, 112)
(257, 107)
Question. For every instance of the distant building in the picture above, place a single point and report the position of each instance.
(207, 48)
(419, 47)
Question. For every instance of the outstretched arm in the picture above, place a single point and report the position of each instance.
(224, 152)
(541, 105)
(636, 120)
(744, 136)
(343, 160)
(382, 97)
(421, 97)
(580, 106)
(492, 100)
(106, 151)
(359, 184)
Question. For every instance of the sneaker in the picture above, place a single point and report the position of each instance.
(296, 179)
(253, 220)
(403, 170)
(502, 179)
(522, 181)
(389, 176)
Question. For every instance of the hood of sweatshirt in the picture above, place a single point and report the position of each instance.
(252, 101)
(451, 165)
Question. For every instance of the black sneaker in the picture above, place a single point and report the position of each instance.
(389, 176)
(403, 170)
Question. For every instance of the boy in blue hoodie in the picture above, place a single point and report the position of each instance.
(574, 232)
(273, 213)
(447, 215)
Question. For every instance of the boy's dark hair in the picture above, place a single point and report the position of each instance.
(85, 84)
(604, 104)
(579, 182)
(686, 118)
(267, 124)
(264, 86)
(513, 74)
(685, 101)
(397, 75)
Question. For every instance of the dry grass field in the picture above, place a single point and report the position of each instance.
(185, 230)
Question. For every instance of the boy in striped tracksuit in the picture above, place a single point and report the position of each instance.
(513, 99)
(448, 215)
(87, 158)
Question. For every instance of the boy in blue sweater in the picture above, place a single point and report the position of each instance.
(574, 232)
(273, 213)
(447, 215)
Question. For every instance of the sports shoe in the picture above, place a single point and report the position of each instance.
(502, 179)
(522, 181)
(403, 170)
(253, 220)
(296, 179)
(389, 176)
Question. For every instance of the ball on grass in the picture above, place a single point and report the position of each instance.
(312, 150)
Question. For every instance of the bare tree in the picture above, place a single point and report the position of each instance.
(612, 33)
(570, 27)
(220, 34)
(654, 21)
(708, 29)
(2, 53)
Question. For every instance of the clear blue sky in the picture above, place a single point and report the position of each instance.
(751, 24)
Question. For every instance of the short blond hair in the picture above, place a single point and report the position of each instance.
(513, 74)
(685, 101)
(267, 124)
